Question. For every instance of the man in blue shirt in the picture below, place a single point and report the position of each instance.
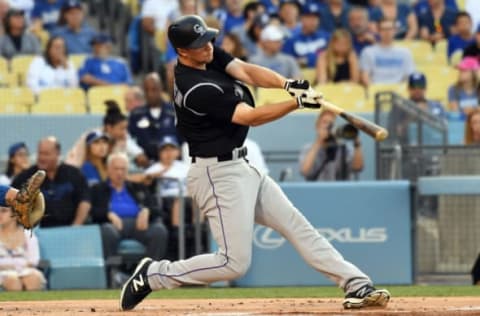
(102, 69)
(358, 27)
(433, 29)
(148, 124)
(75, 32)
(47, 13)
(310, 41)
(464, 36)
(334, 15)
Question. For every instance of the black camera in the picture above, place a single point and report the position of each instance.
(346, 131)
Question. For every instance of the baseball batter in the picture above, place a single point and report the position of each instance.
(214, 112)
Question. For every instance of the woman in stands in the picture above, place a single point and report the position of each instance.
(95, 166)
(18, 160)
(472, 128)
(232, 45)
(115, 125)
(463, 96)
(338, 62)
(19, 256)
(53, 69)
(404, 17)
(16, 41)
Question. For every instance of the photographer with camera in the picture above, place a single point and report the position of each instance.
(330, 158)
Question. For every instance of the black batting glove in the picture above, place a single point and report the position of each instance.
(309, 99)
(296, 87)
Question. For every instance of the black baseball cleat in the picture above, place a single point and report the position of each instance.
(136, 288)
(366, 296)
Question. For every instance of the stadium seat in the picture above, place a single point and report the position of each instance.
(423, 53)
(98, 95)
(439, 79)
(6, 78)
(19, 66)
(16, 100)
(77, 60)
(60, 101)
(349, 96)
(75, 255)
(400, 89)
(265, 96)
(309, 74)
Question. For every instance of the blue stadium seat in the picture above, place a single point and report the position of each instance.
(75, 255)
(131, 247)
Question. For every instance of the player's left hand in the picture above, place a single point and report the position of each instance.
(296, 87)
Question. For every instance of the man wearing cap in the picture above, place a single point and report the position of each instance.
(417, 93)
(75, 31)
(101, 68)
(305, 45)
(473, 50)
(270, 55)
(214, 111)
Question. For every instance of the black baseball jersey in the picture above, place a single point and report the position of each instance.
(205, 101)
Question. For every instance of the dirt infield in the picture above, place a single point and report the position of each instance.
(398, 306)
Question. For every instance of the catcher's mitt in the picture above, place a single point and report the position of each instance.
(29, 204)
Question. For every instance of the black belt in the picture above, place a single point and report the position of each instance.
(240, 153)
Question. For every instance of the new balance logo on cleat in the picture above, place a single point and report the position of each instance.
(137, 287)
(137, 283)
(366, 296)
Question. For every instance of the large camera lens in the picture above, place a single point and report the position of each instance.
(347, 131)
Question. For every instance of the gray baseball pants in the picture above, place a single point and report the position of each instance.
(233, 195)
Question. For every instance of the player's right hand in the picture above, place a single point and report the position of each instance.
(296, 87)
(309, 99)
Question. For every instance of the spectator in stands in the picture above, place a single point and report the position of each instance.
(169, 171)
(417, 92)
(23, 5)
(155, 14)
(127, 210)
(338, 62)
(383, 62)
(115, 125)
(405, 19)
(65, 188)
(94, 168)
(463, 37)
(74, 29)
(19, 256)
(101, 68)
(46, 13)
(473, 50)
(16, 40)
(437, 22)
(230, 17)
(463, 96)
(334, 16)
(289, 14)
(149, 123)
(473, 8)
(326, 159)
(306, 44)
(4, 7)
(358, 26)
(185, 7)
(232, 45)
(18, 161)
(270, 55)
(134, 97)
(54, 69)
(250, 13)
(472, 128)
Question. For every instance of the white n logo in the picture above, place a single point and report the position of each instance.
(362, 292)
(139, 282)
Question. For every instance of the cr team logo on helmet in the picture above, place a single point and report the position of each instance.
(199, 29)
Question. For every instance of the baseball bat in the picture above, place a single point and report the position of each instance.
(377, 132)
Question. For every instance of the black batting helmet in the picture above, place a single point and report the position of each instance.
(190, 31)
